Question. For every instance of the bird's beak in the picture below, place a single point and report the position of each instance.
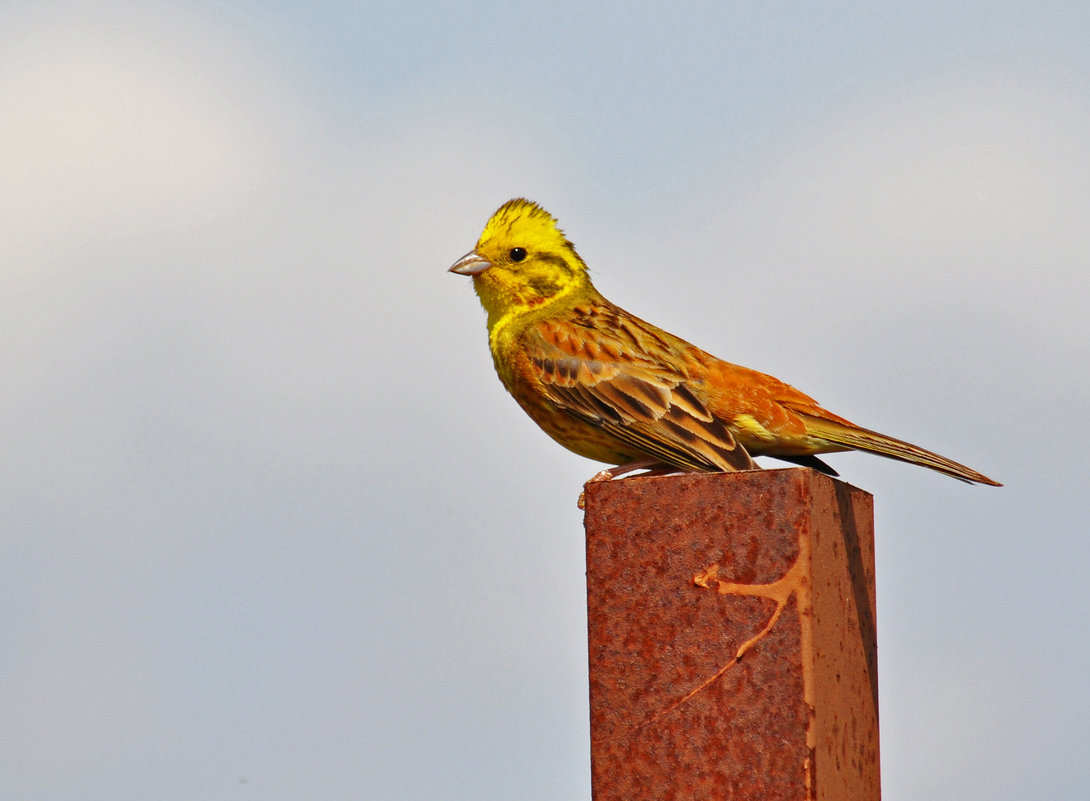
(471, 264)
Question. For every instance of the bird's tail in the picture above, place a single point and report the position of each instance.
(862, 439)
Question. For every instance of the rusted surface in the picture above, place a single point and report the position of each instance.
(684, 573)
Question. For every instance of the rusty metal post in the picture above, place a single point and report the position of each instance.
(732, 638)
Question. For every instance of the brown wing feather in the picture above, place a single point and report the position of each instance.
(631, 387)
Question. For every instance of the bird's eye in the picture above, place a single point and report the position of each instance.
(518, 254)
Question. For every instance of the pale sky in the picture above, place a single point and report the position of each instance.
(271, 527)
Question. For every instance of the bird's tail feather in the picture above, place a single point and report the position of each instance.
(871, 441)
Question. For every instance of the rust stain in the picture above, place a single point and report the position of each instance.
(793, 583)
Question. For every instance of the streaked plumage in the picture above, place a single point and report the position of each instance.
(611, 387)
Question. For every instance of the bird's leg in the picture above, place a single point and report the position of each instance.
(653, 468)
(623, 469)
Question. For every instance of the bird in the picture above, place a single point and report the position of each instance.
(616, 389)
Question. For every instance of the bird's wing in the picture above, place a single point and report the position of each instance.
(624, 379)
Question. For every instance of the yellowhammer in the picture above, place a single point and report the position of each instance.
(611, 387)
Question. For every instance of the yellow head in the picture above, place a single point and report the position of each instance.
(521, 261)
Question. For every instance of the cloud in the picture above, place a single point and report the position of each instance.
(225, 341)
(116, 132)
